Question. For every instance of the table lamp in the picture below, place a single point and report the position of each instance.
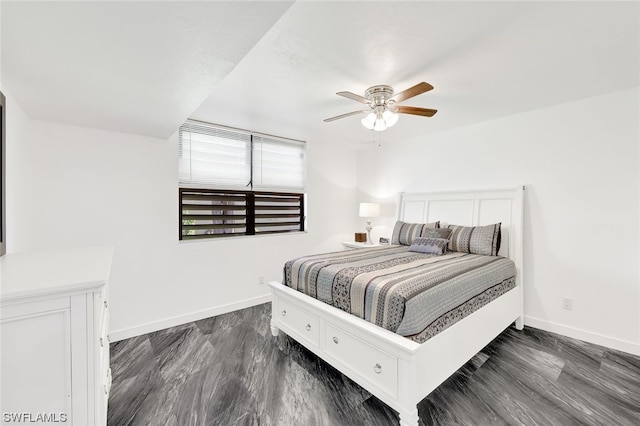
(369, 210)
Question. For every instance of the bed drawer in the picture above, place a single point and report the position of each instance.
(304, 324)
(373, 365)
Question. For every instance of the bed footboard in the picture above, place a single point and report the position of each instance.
(396, 370)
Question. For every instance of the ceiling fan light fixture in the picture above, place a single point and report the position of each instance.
(380, 125)
(390, 118)
(369, 121)
(380, 120)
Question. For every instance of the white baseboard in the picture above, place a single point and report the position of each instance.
(587, 336)
(127, 333)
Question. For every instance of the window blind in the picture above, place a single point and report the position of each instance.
(213, 155)
(278, 163)
(210, 213)
(230, 158)
(207, 213)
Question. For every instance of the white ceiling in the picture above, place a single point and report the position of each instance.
(144, 67)
(137, 67)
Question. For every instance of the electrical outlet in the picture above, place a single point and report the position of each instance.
(567, 303)
(261, 280)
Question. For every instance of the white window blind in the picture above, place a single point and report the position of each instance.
(213, 155)
(278, 164)
(221, 157)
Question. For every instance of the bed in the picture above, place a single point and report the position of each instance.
(398, 369)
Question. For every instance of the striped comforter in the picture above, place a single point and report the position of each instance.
(413, 294)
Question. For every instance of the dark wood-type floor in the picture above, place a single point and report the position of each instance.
(229, 370)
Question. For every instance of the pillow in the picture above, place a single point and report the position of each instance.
(404, 233)
(429, 245)
(475, 239)
(436, 233)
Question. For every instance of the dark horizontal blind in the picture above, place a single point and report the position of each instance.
(278, 212)
(208, 213)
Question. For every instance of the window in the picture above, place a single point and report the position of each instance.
(234, 182)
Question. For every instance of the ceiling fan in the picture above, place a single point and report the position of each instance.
(383, 105)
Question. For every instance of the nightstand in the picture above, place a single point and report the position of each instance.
(352, 245)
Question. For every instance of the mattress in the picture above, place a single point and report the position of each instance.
(415, 295)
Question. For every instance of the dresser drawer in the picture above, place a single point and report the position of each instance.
(101, 300)
(106, 388)
(371, 364)
(103, 396)
(304, 324)
(103, 342)
(104, 329)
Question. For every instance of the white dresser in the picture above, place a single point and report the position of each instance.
(54, 323)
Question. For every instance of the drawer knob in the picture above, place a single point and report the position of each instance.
(377, 368)
(106, 305)
(284, 313)
(308, 327)
(101, 343)
(335, 340)
(106, 390)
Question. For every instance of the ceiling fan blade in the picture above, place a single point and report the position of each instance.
(412, 91)
(337, 117)
(425, 112)
(353, 96)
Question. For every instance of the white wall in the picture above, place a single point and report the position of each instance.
(71, 186)
(580, 163)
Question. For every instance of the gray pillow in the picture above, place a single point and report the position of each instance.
(436, 233)
(429, 245)
(475, 239)
(404, 233)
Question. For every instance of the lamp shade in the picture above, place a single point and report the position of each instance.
(390, 118)
(380, 120)
(369, 210)
(369, 121)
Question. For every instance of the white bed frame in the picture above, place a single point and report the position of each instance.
(396, 370)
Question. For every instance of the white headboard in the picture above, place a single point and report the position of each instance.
(472, 208)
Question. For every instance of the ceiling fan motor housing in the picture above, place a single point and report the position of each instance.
(378, 95)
